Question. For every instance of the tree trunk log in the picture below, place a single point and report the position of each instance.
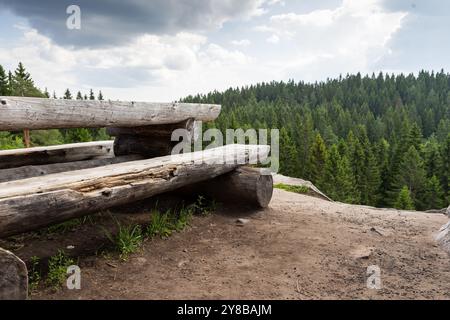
(26, 172)
(245, 185)
(37, 113)
(150, 141)
(29, 204)
(13, 277)
(56, 154)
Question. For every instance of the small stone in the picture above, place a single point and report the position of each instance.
(362, 252)
(241, 221)
(70, 247)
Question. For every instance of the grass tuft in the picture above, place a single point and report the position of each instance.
(292, 188)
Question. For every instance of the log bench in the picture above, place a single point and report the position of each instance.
(49, 185)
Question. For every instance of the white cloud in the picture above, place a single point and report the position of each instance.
(308, 46)
(241, 43)
(349, 38)
(148, 62)
(273, 39)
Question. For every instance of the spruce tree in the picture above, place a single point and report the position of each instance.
(404, 201)
(412, 175)
(21, 83)
(100, 96)
(79, 96)
(91, 95)
(4, 88)
(434, 195)
(288, 155)
(317, 158)
(67, 95)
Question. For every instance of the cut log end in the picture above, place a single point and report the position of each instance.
(13, 277)
(245, 185)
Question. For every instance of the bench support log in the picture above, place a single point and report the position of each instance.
(245, 185)
(150, 141)
(13, 277)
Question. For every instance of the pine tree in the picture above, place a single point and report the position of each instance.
(288, 155)
(318, 157)
(434, 195)
(91, 95)
(79, 96)
(412, 175)
(67, 95)
(404, 201)
(21, 83)
(100, 96)
(46, 94)
(4, 88)
(338, 181)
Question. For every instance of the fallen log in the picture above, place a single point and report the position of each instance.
(29, 204)
(38, 113)
(245, 185)
(13, 277)
(56, 154)
(26, 172)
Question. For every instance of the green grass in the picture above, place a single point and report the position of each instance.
(34, 274)
(69, 225)
(203, 206)
(128, 239)
(291, 188)
(57, 269)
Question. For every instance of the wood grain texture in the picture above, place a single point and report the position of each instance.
(26, 172)
(56, 154)
(33, 203)
(39, 113)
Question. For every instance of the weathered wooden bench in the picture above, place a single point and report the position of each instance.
(49, 185)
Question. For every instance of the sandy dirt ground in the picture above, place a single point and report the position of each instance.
(299, 248)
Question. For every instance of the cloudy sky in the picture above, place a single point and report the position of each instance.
(161, 50)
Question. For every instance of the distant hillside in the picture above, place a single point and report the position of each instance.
(378, 140)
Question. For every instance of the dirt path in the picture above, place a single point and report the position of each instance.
(299, 248)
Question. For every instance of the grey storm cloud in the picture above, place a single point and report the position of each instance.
(109, 22)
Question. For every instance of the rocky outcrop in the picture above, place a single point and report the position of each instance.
(313, 190)
(443, 237)
(13, 277)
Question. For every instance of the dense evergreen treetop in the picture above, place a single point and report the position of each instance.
(373, 121)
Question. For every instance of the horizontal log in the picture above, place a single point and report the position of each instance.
(38, 113)
(26, 172)
(13, 277)
(56, 154)
(29, 204)
(248, 186)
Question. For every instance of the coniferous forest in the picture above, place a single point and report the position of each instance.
(380, 140)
